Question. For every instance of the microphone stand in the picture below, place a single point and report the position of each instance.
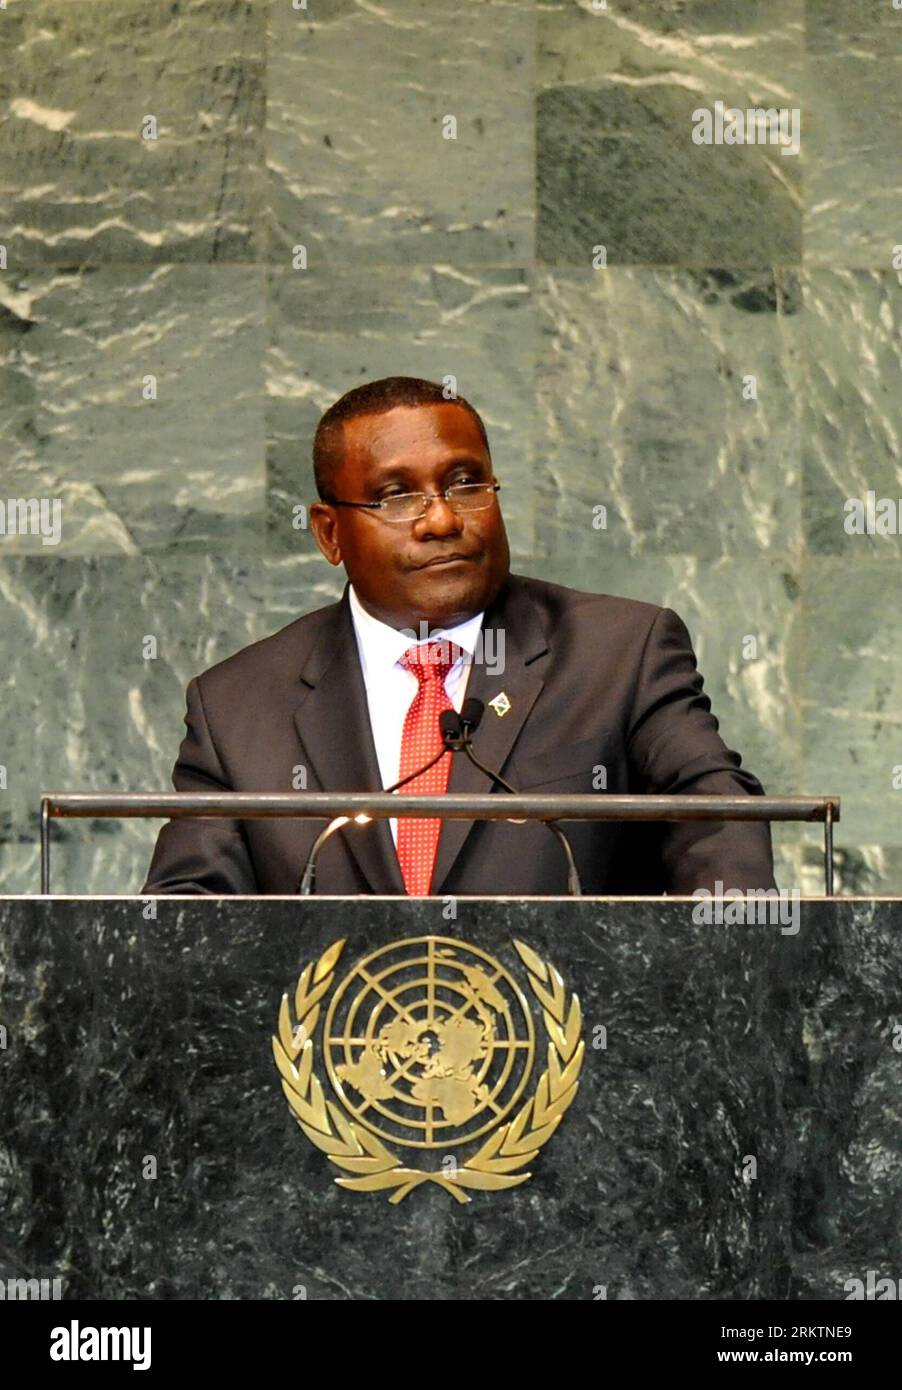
(308, 877)
(456, 730)
(461, 743)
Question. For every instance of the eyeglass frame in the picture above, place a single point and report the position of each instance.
(427, 497)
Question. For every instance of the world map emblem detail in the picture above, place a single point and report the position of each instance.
(429, 1044)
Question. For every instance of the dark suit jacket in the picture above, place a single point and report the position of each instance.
(592, 680)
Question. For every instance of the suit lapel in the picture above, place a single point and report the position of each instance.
(514, 620)
(333, 722)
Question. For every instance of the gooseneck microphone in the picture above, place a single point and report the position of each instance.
(308, 877)
(457, 730)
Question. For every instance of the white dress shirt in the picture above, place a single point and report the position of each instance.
(390, 688)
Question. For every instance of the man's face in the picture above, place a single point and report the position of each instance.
(440, 569)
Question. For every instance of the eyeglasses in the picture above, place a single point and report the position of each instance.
(410, 506)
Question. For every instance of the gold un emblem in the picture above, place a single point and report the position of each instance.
(429, 1045)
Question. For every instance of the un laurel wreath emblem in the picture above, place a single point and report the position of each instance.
(428, 1044)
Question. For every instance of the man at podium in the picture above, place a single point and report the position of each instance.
(580, 693)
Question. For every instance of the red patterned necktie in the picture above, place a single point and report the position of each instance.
(418, 839)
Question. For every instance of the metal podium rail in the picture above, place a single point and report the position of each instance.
(478, 806)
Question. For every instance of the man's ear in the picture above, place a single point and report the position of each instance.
(324, 525)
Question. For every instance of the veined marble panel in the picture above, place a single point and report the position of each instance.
(401, 132)
(617, 166)
(671, 399)
(135, 398)
(78, 179)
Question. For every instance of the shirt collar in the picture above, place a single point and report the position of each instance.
(382, 646)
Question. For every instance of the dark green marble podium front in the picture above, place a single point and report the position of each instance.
(738, 1135)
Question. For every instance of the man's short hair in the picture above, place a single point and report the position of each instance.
(373, 398)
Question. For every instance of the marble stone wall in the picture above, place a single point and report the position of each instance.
(621, 385)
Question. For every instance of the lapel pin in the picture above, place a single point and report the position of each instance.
(501, 704)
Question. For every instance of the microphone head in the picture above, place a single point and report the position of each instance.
(471, 713)
(449, 723)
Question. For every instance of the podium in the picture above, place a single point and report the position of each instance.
(734, 1132)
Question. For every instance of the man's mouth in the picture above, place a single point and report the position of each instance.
(446, 560)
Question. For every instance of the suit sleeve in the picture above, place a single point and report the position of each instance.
(674, 748)
(196, 855)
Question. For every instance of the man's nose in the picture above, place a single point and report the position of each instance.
(439, 519)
